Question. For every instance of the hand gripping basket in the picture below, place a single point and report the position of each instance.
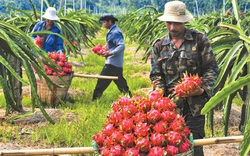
(45, 94)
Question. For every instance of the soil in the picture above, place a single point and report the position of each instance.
(27, 124)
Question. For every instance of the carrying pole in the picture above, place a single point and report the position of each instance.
(95, 76)
(220, 140)
(90, 150)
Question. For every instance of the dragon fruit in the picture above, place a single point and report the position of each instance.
(140, 126)
(168, 116)
(184, 146)
(141, 130)
(128, 140)
(171, 150)
(131, 152)
(156, 151)
(153, 116)
(187, 84)
(161, 127)
(157, 139)
(143, 144)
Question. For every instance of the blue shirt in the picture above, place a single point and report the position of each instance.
(52, 42)
(115, 43)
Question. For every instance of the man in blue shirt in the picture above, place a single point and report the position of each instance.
(114, 58)
(50, 42)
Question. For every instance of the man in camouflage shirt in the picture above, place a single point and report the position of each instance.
(182, 51)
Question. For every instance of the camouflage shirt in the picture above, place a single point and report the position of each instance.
(194, 56)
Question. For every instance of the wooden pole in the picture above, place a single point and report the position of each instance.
(89, 150)
(75, 150)
(95, 76)
(221, 140)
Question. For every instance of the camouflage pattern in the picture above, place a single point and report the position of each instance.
(194, 56)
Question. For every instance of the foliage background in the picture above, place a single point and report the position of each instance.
(196, 7)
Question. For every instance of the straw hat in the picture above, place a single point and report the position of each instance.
(175, 11)
(50, 14)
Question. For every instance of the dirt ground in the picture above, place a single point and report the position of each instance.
(27, 124)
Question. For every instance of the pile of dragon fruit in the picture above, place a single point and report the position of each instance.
(140, 126)
(99, 49)
(65, 68)
(187, 84)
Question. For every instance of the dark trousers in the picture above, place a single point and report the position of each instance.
(196, 125)
(102, 84)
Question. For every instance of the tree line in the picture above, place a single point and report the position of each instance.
(196, 7)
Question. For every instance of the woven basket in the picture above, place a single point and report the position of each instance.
(187, 153)
(46, 96)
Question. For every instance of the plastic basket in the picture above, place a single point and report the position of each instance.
(45, 94)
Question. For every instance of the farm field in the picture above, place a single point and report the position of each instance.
(26, 127)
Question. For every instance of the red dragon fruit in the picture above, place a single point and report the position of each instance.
(127, 125)
(99, 49)
(105, 151)
(168, 116)
(129, 110)
(116, 136)
(156, 151)
(171, 150)
(124, 101)
(116, 150)
(155, 95)
(153, 116)
(158, 139)
(139, 126)
(99, 138)
(144, 105)
(131, 152)
(128, 140)
(108, 142)
(161, 127)
(186, 131)
(174, 138)
(141, 130)
(116, 106)
(140, 117)
(184, 146)
(143, 144)
(38, 41)
(187, 84)
(176, 125)
(108, 129)
(115, 118)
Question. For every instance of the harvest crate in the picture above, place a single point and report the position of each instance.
(46, 96)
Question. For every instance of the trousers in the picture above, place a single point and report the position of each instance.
(102, 84)
(196, 125)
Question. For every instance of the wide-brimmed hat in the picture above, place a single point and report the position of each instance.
(108, 17)
(50, 14)
(175, 11)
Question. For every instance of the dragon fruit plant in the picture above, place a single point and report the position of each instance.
(143, 127)
(187, 84)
